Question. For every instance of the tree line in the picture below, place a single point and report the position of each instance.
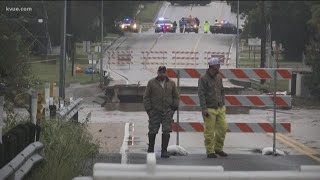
(296, 24)
(20, 31)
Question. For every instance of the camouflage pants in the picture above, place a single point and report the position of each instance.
(158, 118)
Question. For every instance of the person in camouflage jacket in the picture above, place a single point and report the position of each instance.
(211, 96)
(161, 100)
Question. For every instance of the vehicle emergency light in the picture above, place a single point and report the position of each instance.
(161, 18)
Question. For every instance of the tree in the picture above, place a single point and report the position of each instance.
(15, 73)
(313, 48)
(244, 6)
(288, 24)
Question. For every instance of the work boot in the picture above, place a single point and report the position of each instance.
(152, 138)
(221, 153)
(164, 145)
(212, 155)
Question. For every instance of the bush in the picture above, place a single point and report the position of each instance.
(67, 146)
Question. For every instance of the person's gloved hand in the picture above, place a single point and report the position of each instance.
(205, 113)
(149, 113)
(171, 113)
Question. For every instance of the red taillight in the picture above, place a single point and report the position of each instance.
(168, 27)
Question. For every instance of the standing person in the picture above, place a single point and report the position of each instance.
(206, 27)
(197, 21)
(161, 100)
(174, 24)
(211, 96)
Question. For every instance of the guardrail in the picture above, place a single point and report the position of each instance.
(71, 110)
(151, 170)
(18, 167)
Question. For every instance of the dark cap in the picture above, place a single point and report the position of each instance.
(162, 68)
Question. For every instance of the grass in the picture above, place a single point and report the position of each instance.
(67, 146)
(149, 11)
(282, 85)
(246, 62)
(46, 72)
(49, 71)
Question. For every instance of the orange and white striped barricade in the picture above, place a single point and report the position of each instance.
(125, 56)
(185, 55)
(234, 127)
(223, 56)
(154, 55)
(119, 57)
(235, 73)
(240, 100)
(111, 55)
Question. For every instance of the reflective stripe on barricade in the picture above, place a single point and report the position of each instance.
(243, 73)
(234, 127)
(241, 100)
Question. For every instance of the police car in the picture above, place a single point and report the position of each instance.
(224, 27)
(128, 24)
(164, 25)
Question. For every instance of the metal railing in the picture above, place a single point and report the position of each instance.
(71, 110)
(19, 166)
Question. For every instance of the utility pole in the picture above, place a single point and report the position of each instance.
(268, 33)
(263, 37)
(63, 54)
(101, 52)
(237, 43)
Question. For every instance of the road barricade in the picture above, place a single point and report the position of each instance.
(119, 57)
(154, 55)
(185, 55)
(223, 56)
(238, 100)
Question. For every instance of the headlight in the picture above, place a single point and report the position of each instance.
(195, 26)
(122, 26)
(158, 25)
(134, 26)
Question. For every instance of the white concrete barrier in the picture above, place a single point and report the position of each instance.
(104, 171)
(310, 168)
(193, 175)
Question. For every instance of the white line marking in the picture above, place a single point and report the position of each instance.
(113, 71)
(197, 43)
(124, 147)
(230, 49)
(165, 10)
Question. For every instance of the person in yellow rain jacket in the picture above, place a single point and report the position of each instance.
(211, 96)
(206, 27)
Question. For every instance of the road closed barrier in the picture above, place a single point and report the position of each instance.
(154, 55)
(241, 100)
(222, 56)
(234, 127)
(120, 57)
(185, 55)
(238, 100)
